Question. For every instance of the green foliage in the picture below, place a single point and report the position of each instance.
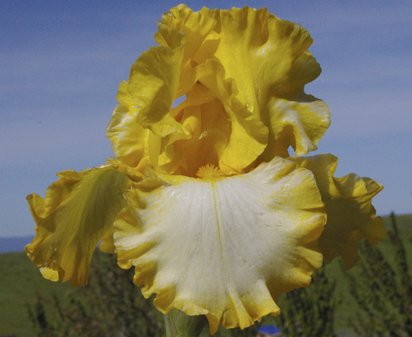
(309, 312)
(110, 305)
(382, 288)
(20, 280)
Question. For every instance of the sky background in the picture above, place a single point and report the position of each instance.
(61, 63)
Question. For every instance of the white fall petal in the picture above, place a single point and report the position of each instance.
(225, 248)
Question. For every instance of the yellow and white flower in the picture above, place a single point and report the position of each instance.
(203, 198)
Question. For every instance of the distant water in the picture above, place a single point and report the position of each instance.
(14, 244)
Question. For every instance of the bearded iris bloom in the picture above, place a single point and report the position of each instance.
(203, 198)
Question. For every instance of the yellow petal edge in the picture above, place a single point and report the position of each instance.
(224, 248)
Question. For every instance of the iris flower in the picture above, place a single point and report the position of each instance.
(203, 198)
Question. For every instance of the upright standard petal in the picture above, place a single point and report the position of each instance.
(268, 60)
(351, 216)
(201, 31)
(77, 212)
(153, 84)
(253, 64)
(225, 247)
(249, 135)
(200, 40)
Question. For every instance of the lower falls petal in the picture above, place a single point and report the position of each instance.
(224, 248)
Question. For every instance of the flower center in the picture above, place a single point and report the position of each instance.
(209, 172)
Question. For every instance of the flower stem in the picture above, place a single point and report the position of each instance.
(178, 324)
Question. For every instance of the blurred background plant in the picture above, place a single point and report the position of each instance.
(111, 305)
(382, 288)
(310, 311)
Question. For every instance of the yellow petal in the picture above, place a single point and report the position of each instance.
(107, 243)
(208, 132)
(142, 121)
(248, 134)
(225, 247)
(268, 60)
(351, 216)
(299, 122)
(153, 83)
(78, 211)
(200, 40)
(194, 26)
(129, 139)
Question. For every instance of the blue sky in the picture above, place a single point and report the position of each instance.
(61, 63)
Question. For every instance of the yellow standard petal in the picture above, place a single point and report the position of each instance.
(79, 210)
(351, 216)
(268, 60)
(200, 40)
(152, 85)
(224, 247)
(255, 66)
(248, 134)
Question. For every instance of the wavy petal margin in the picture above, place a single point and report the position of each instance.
(351, 215)
(200, 40)
(224, 248)
(298, 122)
(78, 211)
